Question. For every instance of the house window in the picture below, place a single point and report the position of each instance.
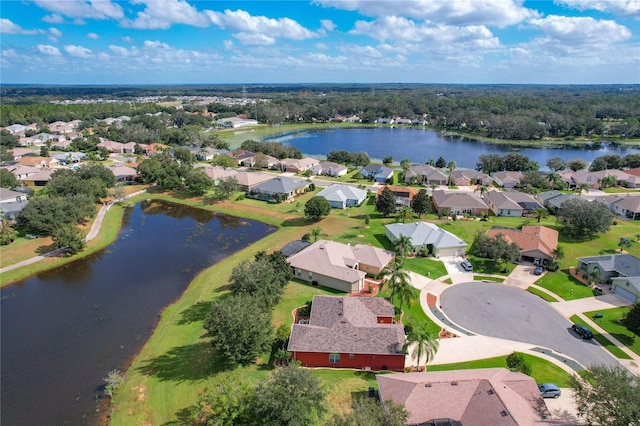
(352, 356)
(299, 273)
(310, 276)
(334, 358)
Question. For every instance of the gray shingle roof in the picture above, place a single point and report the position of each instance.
(624, 264)
(281, 185)
(342, 193)
(348, 325)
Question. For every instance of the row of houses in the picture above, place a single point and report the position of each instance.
(623, 205)
(629, 178)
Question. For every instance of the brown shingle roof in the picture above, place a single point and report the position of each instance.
(530, 238)
(348, 325)
(489, 396)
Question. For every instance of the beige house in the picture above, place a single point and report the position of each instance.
(458, 203)
(486, 396)
(339, 266)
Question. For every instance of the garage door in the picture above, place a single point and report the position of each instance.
(625, 294)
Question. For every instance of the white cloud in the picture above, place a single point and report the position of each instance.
(8, 27)
(618, 7)
(122, 51)
(255, 39)
(93, 36)
(361, 51)
(77, 51)
(402, 30)
(500, 13)
(127, 39)
(48, 50)
(580, 31)
(264, 28)
(96, 9)
(328, 24)
(55, 32)
(54, 18)
(161, 14)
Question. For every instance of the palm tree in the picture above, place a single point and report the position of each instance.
(406, 293)
(398, 276)
(403, 245)
(595, 274)
(433, 187)
(482, 189)
(608, 181)
(425, 345)
(541, 213)
(558, 253)
(583, 187)
(315, 233)
(451, 166)
(624, 243)
(554, 179)
(404, 213)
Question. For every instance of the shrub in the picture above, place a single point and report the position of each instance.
(516, 362)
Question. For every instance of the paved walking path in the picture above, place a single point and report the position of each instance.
(93, 232)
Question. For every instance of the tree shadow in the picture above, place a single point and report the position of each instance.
(44, 249)
(195, 313)
(384, 241)
(186, 363)
(183, 418)
(298, 221)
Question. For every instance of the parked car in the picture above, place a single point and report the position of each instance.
(582, 331)
(538, 271)
(549, 390)
(466, 265)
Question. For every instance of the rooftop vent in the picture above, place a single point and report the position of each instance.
(427, 385)
(454, 383)
(504, 413)
(490, 392)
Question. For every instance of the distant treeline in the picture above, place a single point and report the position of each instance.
(501, 112)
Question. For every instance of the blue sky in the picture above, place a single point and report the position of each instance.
(333, 41)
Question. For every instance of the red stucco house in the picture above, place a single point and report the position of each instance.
(349, 332)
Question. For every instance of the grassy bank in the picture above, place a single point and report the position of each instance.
(610, 322)
(606, 343)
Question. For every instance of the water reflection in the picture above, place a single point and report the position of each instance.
(63, 330)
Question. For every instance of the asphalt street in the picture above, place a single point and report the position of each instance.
(511, 313)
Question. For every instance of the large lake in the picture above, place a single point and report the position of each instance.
(64, 330)
(419, 145)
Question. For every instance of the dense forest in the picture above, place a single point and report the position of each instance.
(497, 112)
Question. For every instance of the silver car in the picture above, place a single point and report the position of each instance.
(549, 390)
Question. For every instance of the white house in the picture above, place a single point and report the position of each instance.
(343, 196)
(427, 237)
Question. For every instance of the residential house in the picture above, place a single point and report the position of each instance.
(41, 178)
(428, 238)
(628, 207)
(248, 180)
(155, 148)
(328, 168)
(343, 196)
(18, 153)
(465, 177)
(622, 270)
(537, 243)
(404, 194)
(16, 129)
(21, 172)
(61, 145)
(64, 127)
(124, 174)
(207, 154)
(552, 200)
(297, 165)
(377, 173)
(339, 266)
(280, 188)
(37, 161)
(487, 396)
(245, 158)
(70, 157)
(458, 203)
(349, 332)
(385, 120)
(426, 175)
(217, 173)
(508, 179)
(112, 146)
(236, 122)
(511, 203)
(11, 204)
(130, 147)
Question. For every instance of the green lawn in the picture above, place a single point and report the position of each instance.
(616, 351)
(565, 286)
(428, 267)
(542, 371)
(486, 278)
(297, 294)
(414, 315)
(609, 322)
(542, 294)
(343, 385)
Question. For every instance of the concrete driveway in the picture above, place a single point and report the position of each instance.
(452, 264)
(509, 313)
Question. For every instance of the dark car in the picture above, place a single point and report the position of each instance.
(549, 390)
(582, 331)
(466, 265)
(538, 271)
